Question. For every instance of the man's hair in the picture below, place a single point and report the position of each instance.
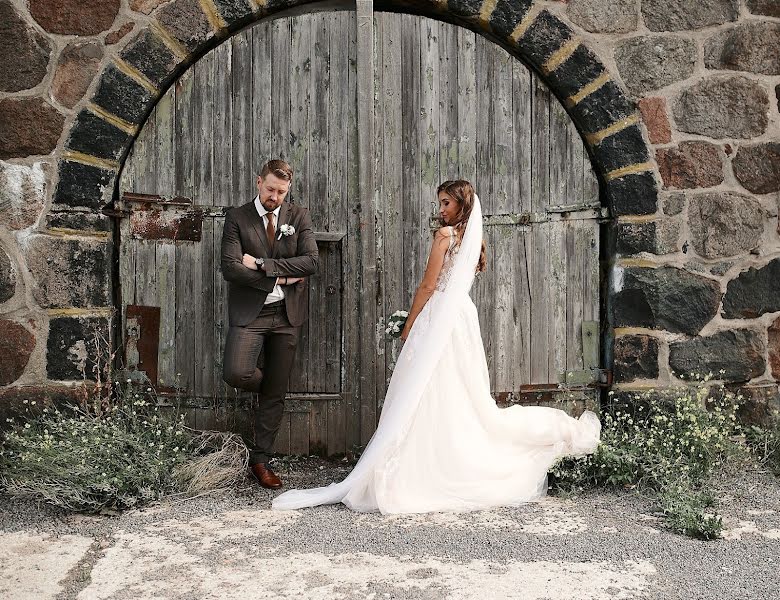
(277, 167)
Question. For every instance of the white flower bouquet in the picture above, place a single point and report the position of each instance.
(395, 323)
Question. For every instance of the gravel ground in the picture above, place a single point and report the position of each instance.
(225, 545)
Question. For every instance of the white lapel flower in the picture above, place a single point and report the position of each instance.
(285, 230)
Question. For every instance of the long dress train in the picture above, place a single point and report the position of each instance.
(441, 443)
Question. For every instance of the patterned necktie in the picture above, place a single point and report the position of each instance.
(269, 229)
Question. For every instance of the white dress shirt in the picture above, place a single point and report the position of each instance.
(277, 293)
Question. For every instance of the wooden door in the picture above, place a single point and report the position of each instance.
(448, 104)
(205, 142)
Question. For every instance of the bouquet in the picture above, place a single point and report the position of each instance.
(396, 323)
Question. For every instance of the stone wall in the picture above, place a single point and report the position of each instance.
(677, 102)
(696, 285)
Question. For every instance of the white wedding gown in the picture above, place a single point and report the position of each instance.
(442, 444)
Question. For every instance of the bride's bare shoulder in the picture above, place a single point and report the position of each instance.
(444, 232)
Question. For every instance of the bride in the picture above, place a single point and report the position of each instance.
(442, 444)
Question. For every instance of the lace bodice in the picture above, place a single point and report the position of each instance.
(449, 259)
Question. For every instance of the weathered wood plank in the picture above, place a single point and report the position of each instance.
(504, 177)
(299, 433)
(522, 83)
(352, 269)
(557, 280)
(576, 266)
(167, 299)
(537, 251)
(523, 297)
(467, 105)
(220, 312)
(414, 246)
(449, 161)
(390, 178)
(183, 138)
(301, 142)
(504, 199)
(203, 117)
(380, 104)
(282, 442)
(240, 176)
(320, 207)
(318, 429)
(280, 124)
(369, 366)
(205, 338)
(300, 106)
(333, 320)
(341, 30)
(561, 159)
(266, 97)
(540, 146)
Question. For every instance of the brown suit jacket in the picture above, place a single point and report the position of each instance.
(292, 255)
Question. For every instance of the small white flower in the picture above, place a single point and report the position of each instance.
(285, 230)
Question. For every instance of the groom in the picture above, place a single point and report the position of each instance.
(268, 249)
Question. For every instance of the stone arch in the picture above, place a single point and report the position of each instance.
(180, 32)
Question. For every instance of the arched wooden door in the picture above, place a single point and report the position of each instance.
(447, 104)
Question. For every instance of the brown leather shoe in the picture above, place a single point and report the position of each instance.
(266, 477)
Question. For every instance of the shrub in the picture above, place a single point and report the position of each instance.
(665, 443)
(764, 442)
(114, 453)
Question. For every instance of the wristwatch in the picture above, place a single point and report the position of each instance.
(259, 262)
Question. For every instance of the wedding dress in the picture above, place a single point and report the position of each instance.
(442, 444)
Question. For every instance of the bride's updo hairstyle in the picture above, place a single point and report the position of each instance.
(463, 193)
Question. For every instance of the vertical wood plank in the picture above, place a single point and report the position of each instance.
(429, 126)
(352, 269)
(301, 109)
(299, 433)
(341, 31)
(411, 143)
(242, 117)
(467, 104)
(576, 267)
(485, 63)
(300, 106)
(281, 74)
(539, 240)
(537, 251)
(484, 291)
(390, 175)
(540, 146)
(183, 138)
(523, 294)
(264, 102)
(318, 190)
(318, 428)
(557, 280)
(505, 192)
(219, 315)
(449, 161)
(282, 442)
(522, 111)
(366, 156)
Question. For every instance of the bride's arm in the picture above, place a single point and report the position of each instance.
(427, 286)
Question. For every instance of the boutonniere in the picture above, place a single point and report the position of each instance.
(285, 230)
